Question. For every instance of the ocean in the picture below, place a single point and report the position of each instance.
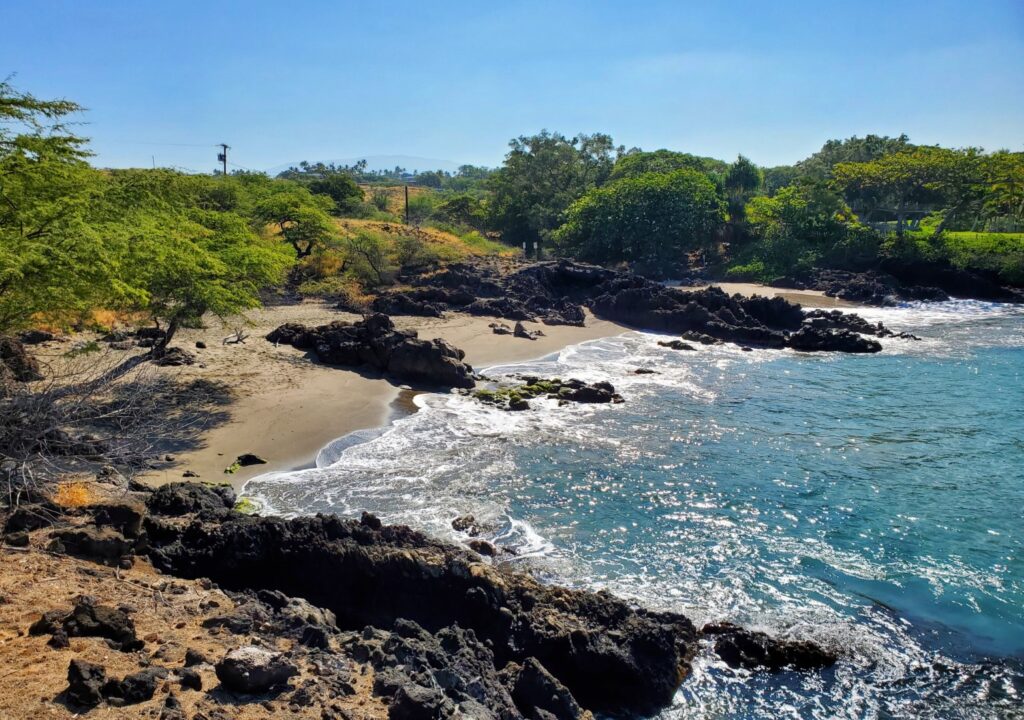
(871, 503)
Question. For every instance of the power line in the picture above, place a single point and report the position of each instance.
(167, 144)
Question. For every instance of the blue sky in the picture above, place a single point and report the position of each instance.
(286, 81)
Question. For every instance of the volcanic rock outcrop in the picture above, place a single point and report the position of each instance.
(375, 343)
(556, 293)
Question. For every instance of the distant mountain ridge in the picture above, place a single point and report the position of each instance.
(381, 162)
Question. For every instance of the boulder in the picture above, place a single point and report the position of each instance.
(520, 331)
(17, 539)
(741, 648)
(135, 688)
(124, 517)
(534, 689)
(190, 679)
(194, 657)
(676, 345)
(182, 498)
(374, 342)
(36, 337)
(247, 459)
(27, 518)
(466, 524)
(434, 362)
(102, 544)
(90, 620)
(85, 683)
(21, 366)
(403, 304)
(253, 670)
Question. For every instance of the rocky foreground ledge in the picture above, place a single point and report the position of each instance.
(322, 607)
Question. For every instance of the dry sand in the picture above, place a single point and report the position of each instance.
(807, 298)
(287, 407)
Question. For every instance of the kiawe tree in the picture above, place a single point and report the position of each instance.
(914, 181)
(341, 188)
(52, 263)
(177, 261)
(301, 218)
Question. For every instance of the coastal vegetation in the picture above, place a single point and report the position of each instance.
(173, 247)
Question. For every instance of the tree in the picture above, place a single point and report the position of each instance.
(1004, 198)
(179, 262)
(463, 209)
(341, 188)
(431, 178)
(52, 264)
(913, 181)
(819, 166)
(369, 255)
(653, 218)
(301, 218)
(542, 175)
(742, 180)
(636, 163)
(776, 178)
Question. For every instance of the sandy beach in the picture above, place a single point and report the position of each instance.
(286, 407)
(807, 298)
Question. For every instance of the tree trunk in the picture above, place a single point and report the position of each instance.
(161, 346)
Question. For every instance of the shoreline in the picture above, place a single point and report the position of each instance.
(286, 407)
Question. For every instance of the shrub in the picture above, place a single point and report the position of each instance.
(412, 252)
(753, 271)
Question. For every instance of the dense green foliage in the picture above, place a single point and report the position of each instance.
(174, 247)
(543, 174)
(654, 219)
(73, 238)
(636, 163)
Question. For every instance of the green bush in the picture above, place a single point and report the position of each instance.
(413, 253)
(753, 271)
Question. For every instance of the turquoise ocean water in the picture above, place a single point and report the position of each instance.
(871, 503)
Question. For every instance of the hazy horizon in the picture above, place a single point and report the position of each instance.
(164, 84)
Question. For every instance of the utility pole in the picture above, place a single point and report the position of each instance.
(223, 157)
(406, 204)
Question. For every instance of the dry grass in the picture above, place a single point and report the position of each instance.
(75, 494)
(395, 195)
(450, 246)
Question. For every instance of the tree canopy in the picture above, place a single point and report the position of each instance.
(73, 238)
(653, 218)
(542, 175)
(636, 163)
